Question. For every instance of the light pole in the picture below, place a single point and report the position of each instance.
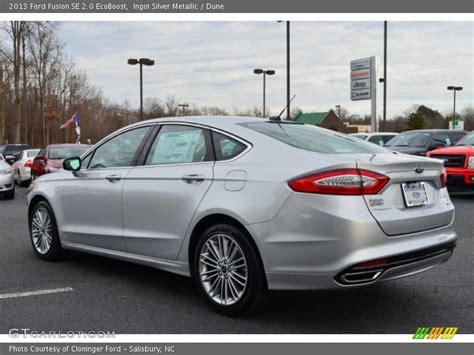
(265, 73)
(384, 74)
(454, 88)
(142, 62)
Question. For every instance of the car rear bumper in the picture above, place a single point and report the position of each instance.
(302, 249)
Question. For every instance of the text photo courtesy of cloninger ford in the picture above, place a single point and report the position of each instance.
(289, 177)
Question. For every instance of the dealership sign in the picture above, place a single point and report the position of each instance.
(363, 80)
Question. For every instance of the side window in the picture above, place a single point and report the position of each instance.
(457, 136)
(179, 144)
(118, 151)
(441, 138)
(377, 140)
(226, 148)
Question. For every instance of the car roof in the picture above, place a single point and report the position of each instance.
(67, 145)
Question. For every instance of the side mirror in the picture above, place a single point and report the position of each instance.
(72, 164)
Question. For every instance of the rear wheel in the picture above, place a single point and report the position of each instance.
(44, 232)
(19, 181)
(227, 270)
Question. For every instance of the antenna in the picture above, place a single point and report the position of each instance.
(278, 118)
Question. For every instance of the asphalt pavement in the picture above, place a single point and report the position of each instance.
(108, 295)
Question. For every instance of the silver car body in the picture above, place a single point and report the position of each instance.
(21, 171)
(7, 179)
(305, 241)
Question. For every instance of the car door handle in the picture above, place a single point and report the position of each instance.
(113, 178)
(192, 178)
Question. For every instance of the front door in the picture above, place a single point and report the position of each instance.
(92, 197)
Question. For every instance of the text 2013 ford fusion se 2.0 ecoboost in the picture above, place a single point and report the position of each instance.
(243, 205)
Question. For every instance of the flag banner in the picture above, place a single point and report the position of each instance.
(67, 124)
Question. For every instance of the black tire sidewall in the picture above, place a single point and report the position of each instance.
(55, 249)
(255, 280)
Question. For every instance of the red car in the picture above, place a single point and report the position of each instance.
(459, 163)
(51, 157)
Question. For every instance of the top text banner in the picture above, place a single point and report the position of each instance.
(237, 6)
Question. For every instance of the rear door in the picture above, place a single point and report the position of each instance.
(161, 196)
(413, 200)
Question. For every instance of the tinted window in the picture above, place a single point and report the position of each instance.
(441, 139)
(178, 144)
(380, 140)
(467, 140)
(118, 151)
(313, 138)
(66, 152)
(13, 149)
(457, 136)
(226, 147)
(32, 153)
(410, 139)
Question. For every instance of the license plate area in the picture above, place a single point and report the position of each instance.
(414, 194)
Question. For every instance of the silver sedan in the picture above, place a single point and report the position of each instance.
(7, 179)
(244, 205)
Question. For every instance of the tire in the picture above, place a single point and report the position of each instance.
(42, 219)
(20, 182)
(234, 299)
(10, 195)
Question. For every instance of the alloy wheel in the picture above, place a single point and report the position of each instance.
(42, 230)
(223, 269)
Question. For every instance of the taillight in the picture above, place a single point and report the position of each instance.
(442, 178)
(341, 182)
(28, 164)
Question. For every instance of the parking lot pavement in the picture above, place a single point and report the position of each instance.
(109, 295)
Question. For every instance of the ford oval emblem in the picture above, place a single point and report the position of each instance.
(419, 170)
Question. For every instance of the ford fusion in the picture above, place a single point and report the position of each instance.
(245, 205)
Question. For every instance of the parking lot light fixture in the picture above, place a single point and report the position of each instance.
(142, 61)
(454, 89)
(265, 73)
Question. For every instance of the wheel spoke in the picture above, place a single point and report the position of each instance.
(236, 280)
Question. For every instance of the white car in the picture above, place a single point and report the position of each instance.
(379, 138)
(22, 167)
(7, 182)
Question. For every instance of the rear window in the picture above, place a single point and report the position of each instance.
(32, 153)
(13, 149)
(66, 152)
(410, 139)
(313, 138)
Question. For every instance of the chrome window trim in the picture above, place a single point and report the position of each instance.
(198, 125)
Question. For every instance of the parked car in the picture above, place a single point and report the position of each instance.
(459, 163)
(420, 142)
(380, 138)
(245, 204)
(11, 152)
(22, 167)
(51, 157)
(7, 181)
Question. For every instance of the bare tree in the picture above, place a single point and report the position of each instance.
(46, 50)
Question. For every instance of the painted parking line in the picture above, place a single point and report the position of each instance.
(35, 293)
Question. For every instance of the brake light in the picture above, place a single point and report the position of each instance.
(442, 179)
(341, 182)
(372, 263)
(28, 164)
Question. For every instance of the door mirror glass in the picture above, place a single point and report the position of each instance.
(72, 164)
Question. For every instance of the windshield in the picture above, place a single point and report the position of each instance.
(410, 139)
(467, 140)
(14, 149)
(66, 152)
(313, 138)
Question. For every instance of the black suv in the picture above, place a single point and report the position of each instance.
(421, 141)
(11, 152)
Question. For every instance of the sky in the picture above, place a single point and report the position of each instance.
(211, 63)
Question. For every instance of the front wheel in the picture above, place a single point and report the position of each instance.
(227, 270)
(44, 232)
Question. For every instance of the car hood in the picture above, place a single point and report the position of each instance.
(457, 149)
(409, 150)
